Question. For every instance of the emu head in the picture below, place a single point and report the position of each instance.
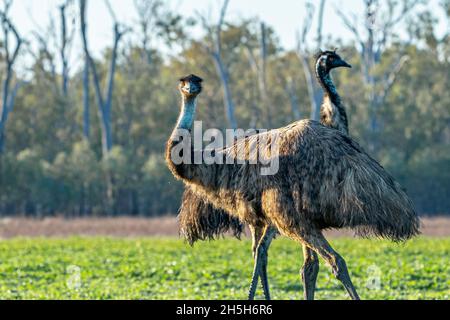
(190, 86)
(329, 60)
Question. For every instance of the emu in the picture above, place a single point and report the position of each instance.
(325, 180)
(199, 220)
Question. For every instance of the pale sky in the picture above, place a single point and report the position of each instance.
(285, 16)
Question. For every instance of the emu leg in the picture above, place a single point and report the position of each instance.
(309, 272)
(263, 274)
(262, 238)
(315, 240)
(257, 234)
(256, 239)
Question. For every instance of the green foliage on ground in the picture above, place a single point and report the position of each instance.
(169, 269)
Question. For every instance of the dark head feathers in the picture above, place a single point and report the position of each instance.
(192, 78)
(321, 53)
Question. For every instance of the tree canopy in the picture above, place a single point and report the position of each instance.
(50, 166)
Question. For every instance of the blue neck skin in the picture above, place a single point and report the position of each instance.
(187, 116)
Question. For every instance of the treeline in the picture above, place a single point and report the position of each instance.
(57, 157)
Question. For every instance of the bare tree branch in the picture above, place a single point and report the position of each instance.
(8, 96)
(352, 26)
(43, 47)
(391, 77)
(223, 13)
(320, 23)
(104, 99)
(378, 25)
(392, 21)
(302, 39)
(9, 27)
(86, 72)
(111, 11)
(147, 11)
(214, 49)
(63, 48)
(314, 91)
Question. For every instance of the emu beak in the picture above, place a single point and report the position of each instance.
(346, 65)
(190, 89)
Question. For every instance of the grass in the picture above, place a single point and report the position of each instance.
(151, 268)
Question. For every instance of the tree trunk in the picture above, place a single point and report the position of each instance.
(314, 91)
(86, 102)
(2, 139)
(229, 104)
(107, 143)
(5, 108)
(372, 44)
(104, 103)
(262, 76)
(293, 99)
(64, 62)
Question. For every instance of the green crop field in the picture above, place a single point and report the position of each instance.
(103, 268)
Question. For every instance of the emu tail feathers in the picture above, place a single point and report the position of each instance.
(374, 204)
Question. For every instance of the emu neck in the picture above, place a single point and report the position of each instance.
(188, 109)
(179, 146)
(333, 113)
(327, 84)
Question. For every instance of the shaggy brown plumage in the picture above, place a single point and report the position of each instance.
(194, 211)
(325, 181)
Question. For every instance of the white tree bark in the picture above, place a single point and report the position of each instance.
(104, 100)
(86, 73)
(315, 92)
(214, 49)
(8, 92)
(378, 27)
